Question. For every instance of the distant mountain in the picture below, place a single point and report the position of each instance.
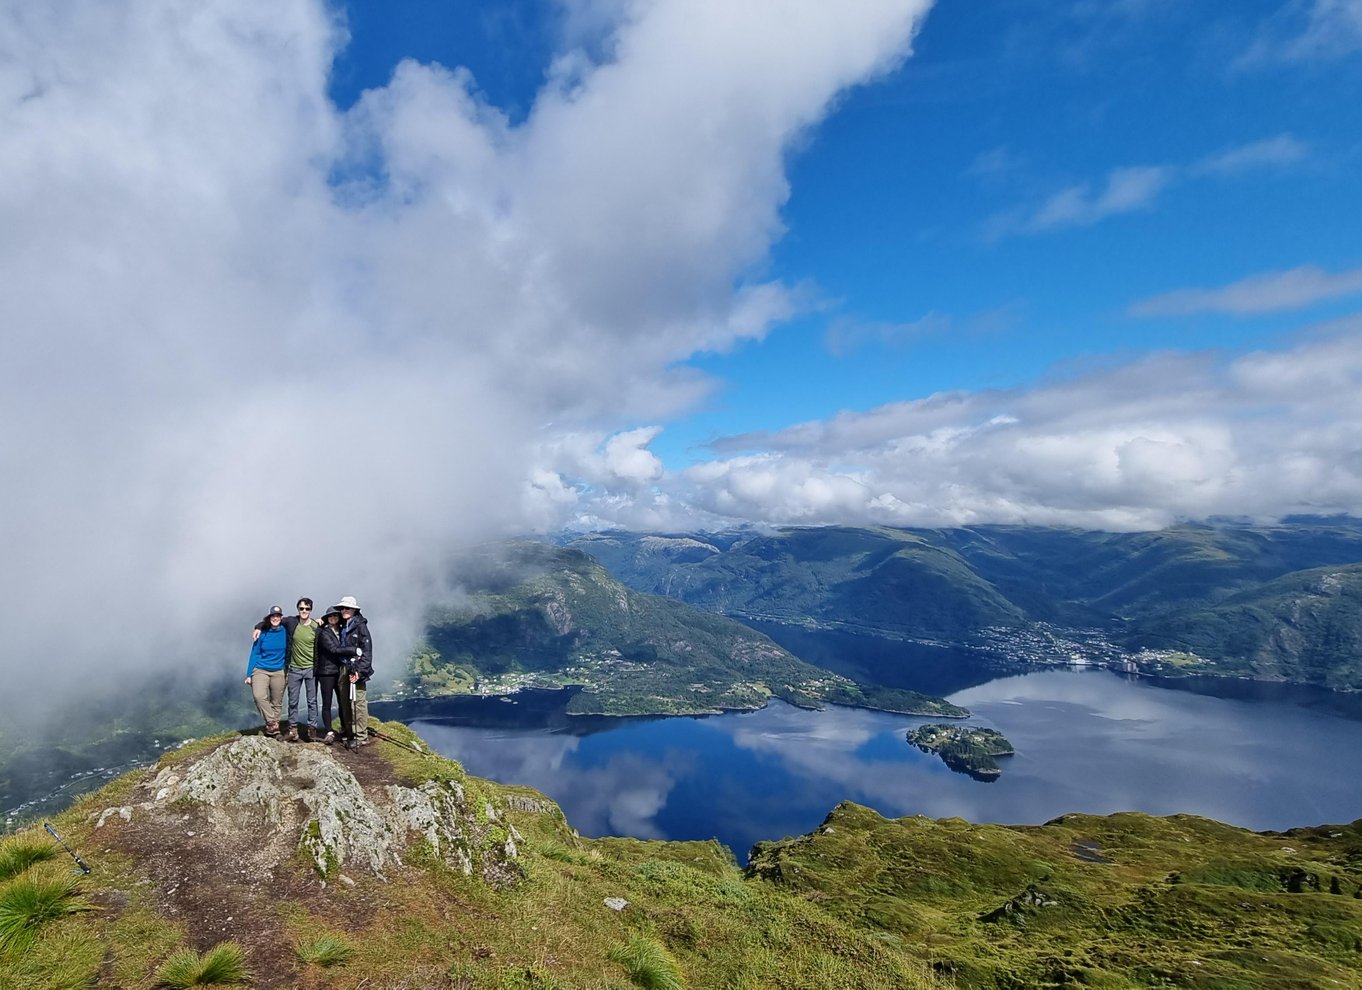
(552, 616)
(1188, 587)
(1071, 572)
(1304, 628)
(877, 580)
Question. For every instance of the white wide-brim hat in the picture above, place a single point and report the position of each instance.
(348, 602)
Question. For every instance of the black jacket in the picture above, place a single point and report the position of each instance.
(332, 658)
(356, 636)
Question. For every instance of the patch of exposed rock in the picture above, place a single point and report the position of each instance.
(269, 799)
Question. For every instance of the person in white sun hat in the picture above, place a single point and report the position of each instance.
(355, 633)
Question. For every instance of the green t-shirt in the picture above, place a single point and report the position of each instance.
(304, 650)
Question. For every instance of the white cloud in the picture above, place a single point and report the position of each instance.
(1135, 447)
(1124, 191)
(1133, 188)
(1270, 292)
(224, 381)
(1281, 151)
(1307, 31)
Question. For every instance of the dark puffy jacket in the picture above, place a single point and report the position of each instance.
(331, 656)
(355, 634)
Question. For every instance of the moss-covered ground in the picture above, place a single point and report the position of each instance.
(1125, 900)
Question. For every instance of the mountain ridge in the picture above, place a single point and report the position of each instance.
(1144, 592)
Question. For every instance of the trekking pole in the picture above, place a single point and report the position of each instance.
(398, 742)
(84, 867)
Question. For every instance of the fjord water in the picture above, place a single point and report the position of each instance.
(1086, 741)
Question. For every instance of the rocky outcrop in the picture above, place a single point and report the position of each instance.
(272, 800)
(1017, 908)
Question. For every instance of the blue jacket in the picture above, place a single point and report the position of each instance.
(269, 652)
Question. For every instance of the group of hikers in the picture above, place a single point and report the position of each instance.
(331, 657)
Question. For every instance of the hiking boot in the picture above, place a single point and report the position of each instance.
(271, 729)
(305, 734)
(329, 738)
(351, 744)
(292, 734)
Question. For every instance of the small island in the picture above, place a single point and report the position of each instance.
(963, 748)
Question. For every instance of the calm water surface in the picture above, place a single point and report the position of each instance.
(1087, 741)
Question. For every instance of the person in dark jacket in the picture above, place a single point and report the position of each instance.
(265, 669)
(355, 633)
(333, 676)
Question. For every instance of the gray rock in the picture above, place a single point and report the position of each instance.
(281, 799)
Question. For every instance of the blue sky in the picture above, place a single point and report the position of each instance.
(915, 218)
(431, 273)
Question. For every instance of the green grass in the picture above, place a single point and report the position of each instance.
(17, 855)
(648, 964)
(222, 965)
(27, 903)
(325, 950)
(67, 956)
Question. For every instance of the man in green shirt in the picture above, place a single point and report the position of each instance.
(302, 651)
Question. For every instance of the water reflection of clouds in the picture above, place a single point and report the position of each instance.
(1086, 742)
(825, 751)
(621, 796)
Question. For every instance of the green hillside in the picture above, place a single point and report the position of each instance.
(1304, 628)
(1120, 901)
(550, 617)
(879, 580)
(1133, 574)
(248, 862)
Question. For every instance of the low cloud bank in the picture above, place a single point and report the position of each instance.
(255, 347)
(1141, 446)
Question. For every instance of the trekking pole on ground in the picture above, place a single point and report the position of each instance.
(84, 867)
(398, 742)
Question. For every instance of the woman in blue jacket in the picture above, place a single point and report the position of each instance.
(265, 669)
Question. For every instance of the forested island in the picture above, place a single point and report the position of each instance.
(965, 749)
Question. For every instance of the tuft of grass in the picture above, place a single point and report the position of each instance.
(18, 855)
(648, 964)
(27, 903)
(325, 950)
(66, 957)
(224, 964)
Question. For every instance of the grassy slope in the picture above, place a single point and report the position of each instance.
(863, 902)
(1119, 901)
(637, 653)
